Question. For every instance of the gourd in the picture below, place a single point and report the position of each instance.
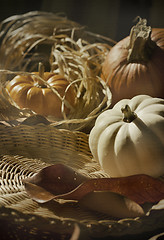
(29, 91)
(129, 138)
(135, 65)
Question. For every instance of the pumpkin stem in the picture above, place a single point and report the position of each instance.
(140, 46)
(129, 116)
(41, 70)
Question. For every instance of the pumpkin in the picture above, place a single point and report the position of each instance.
(129, 138)
(135, 65)
(29, 91)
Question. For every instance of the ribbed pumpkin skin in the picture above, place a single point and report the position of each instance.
(28, 92)
(128, 79)
(129, 148)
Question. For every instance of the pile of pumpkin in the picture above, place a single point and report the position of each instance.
(128, 137)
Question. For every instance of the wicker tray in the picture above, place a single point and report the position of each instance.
(27, 149)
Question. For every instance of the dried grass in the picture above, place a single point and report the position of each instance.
(64, 47)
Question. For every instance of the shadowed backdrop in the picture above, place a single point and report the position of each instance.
(112, 18)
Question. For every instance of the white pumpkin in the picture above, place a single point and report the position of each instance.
(129, 138)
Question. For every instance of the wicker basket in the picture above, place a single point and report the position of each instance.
(27, 149)
(65, 48)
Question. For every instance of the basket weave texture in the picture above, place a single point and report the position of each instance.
(25, 150)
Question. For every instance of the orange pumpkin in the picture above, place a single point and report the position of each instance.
(135, 65)
(28, 91)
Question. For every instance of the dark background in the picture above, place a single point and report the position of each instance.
(112, 18)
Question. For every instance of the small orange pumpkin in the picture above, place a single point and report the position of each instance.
(28, 91)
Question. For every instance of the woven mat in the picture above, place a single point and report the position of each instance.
(27, 149)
